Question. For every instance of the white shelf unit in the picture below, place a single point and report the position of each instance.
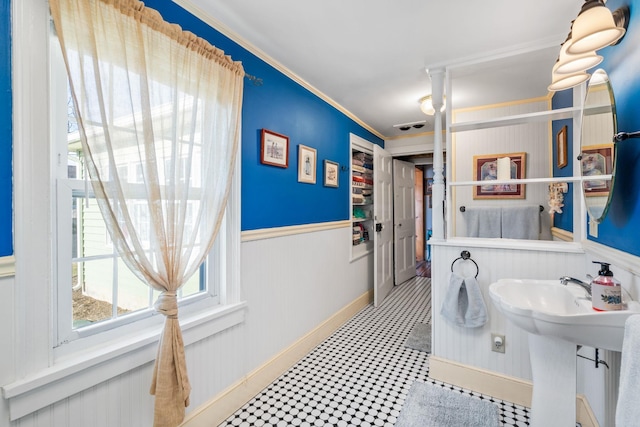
(361, 197)
(542, 116)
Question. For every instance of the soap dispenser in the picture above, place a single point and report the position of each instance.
(606, 292)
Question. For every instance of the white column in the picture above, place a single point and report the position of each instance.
(437, 91)
(553, 368)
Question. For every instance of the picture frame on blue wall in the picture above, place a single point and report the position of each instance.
(561, 148)
(307, 164)
(331, 170)
(274, 149)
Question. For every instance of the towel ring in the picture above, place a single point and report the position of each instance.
(466, 255)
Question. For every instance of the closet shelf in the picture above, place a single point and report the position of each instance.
(360, 219)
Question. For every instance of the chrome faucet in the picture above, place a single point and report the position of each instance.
(586, 286)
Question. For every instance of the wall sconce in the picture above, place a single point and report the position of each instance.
(594, 28)
(569, 63)
(566, 81)
(426, 105)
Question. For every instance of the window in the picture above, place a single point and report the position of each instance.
(49, 372)
(96, 291)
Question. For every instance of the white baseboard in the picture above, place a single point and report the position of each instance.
(229, 401)
(500, 386)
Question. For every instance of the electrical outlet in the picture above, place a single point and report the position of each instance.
(497, 343)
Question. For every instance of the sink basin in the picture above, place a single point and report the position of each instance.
(558, 317)
(546, 307)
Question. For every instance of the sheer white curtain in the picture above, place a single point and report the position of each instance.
(152, 97)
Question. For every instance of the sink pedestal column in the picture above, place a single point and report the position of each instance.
(553, 367)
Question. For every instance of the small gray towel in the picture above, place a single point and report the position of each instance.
(521, 222)
(483, 222)
(628, 410)
(463, 304)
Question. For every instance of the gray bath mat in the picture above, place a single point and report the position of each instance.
(420, 337)
(429, 405)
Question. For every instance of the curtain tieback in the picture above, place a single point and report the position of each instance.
(167, 304)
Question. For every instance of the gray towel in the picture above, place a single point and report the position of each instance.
(628, 410)
(521, 222)
(463, 304)
(483, 222)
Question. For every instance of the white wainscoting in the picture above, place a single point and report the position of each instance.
(7, 337)
(473, 346)
(499, 258)
(291, 285)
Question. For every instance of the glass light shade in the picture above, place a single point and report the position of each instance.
(426, 105)
(594, 29)
(570, 64)
(566, 81)
(598, 77)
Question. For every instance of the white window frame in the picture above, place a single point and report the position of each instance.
(45, 374)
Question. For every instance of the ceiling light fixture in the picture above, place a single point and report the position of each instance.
(426, 105)
(594, 28)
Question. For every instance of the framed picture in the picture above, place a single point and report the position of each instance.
(306, 164)
(274, 149)
(330, 173)
(561, 147)
(485, 168)
(596, 160)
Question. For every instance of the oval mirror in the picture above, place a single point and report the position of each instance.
(597, 156)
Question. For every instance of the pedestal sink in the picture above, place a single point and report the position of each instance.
(558, 318)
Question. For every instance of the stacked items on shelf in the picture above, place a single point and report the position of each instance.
(359, 213)
(360, 234)
(362, 178)
(358, 230)
(361, 193)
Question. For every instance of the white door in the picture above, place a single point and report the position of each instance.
(404, 218)
(383, 220)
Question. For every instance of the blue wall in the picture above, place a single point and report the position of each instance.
(563, 99)
(6, 134)
(621, 227)
(272, 196)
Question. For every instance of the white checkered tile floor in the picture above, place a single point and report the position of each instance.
(360, 375)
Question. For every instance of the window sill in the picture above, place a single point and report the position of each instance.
(88, 369)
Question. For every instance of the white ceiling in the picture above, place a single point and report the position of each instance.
(371, 56)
